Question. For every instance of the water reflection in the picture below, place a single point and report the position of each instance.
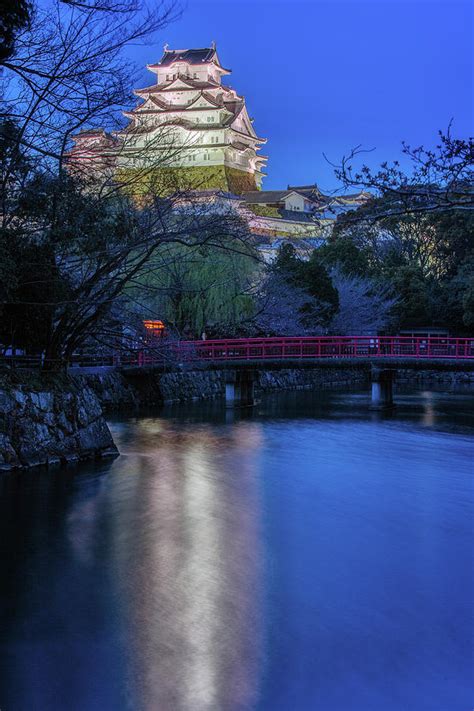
(309, 556)
(187, 554)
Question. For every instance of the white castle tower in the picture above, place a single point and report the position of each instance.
(189, 120)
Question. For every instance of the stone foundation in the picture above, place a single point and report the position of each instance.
(49, 421)
(453, 378)
(311, 378)
(147, 386)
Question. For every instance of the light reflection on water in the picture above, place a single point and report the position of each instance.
(188, 563)
(309, 556)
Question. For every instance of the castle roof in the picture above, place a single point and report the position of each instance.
(191, 56)
(263, 197)
(204, 55)
(192, 85)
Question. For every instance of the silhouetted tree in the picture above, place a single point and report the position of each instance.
(440, 180)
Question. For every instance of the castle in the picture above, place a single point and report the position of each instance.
(191, 126)
(188, 121)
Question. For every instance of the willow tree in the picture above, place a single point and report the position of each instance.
(200, 287)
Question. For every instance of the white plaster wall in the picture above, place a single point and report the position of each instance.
(295, 202)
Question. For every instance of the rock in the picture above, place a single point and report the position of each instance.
(62, 422)
(43, 400)
(8, 456)
(20, 397)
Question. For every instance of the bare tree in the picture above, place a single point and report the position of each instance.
(365, 307)
(87, 253)
(441, 179)
(68, 71)
(282, 307)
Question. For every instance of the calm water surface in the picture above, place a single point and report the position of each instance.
(307, 556)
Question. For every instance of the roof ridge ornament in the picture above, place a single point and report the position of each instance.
(165, 47)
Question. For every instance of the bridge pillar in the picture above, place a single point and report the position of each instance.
(240, 388)
(382, 388)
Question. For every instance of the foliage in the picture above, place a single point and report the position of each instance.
(16, 15)
(281, 307)
(425, 257)
(264, 210)
(166, 180)
(457, 295)
(344, 254)
(312, 276)
(306, 284)
(199, 289)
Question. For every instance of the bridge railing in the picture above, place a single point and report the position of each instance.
(256, 349)
(331, 347)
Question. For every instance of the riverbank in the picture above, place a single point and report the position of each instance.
(50, 420)
(53, 420)
(145, 387)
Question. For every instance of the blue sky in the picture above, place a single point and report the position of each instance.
(321, 77)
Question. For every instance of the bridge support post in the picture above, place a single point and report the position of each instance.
(240, 388)
(382, 388)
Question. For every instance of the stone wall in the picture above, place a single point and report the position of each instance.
(452, 378)
(49, 420)
(192, 385)
(147, 386)
(112, 389)
(311, 378)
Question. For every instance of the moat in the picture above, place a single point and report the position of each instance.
(306, 554)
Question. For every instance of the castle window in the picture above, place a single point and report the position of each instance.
(210, 119)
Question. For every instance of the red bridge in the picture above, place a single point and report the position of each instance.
(307, 348)
(258, 350)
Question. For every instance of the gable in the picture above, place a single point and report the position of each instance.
(178, 83)
(201, 102)
(151, 104)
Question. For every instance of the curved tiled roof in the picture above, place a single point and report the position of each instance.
(204, 55)
(191, 56)
(265, 196)
(193, 85)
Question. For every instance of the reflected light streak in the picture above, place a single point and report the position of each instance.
(188, 560)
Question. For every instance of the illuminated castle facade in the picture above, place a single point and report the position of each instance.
(189, 120)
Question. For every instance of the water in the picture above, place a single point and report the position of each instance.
(307, 556)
